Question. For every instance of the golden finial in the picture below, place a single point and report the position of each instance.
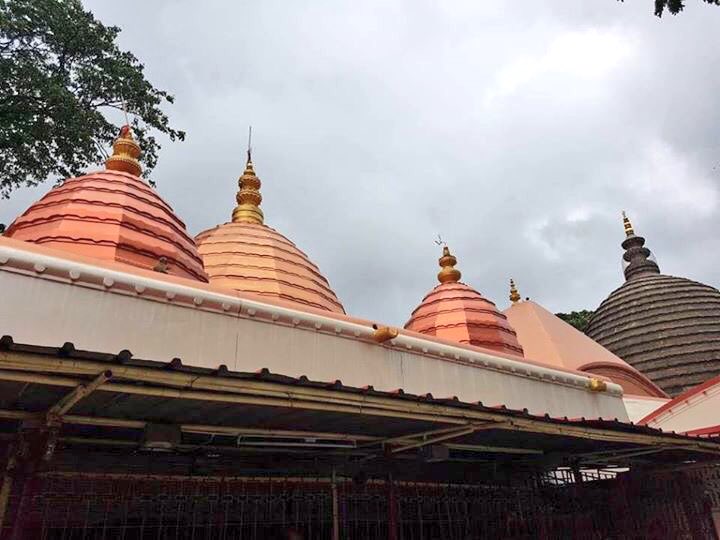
(248, 198)
(514, 294)
(448, 274)
(125, 154)
(629, 231)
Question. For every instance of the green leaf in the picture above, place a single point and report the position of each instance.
(578, 319)
(60, 73)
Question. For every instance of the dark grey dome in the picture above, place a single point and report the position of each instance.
(666, 327)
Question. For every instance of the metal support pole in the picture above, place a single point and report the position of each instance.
(452, 435)
(7, 484)
(392, 511)
(692, 501)
(20, 523)
(80, 391)
(577, 473)
(34, 447)
(335, 509)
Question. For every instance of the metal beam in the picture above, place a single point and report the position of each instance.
(439, 436)
(251, 392)
(315, 399)
(619, 451)
(411, 436)
(243, 448)
(493, 449)
(80, 391)
(258, 390)
(433, 440)
(203, 429)
(272, 433)
(611, 456)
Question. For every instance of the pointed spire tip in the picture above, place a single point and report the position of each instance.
(637, 258)
(629, 231)
(249, 146)
(248, 197)
(514, 294)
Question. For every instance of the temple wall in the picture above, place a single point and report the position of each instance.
(45, 310)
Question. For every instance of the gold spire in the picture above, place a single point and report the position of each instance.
(448, 274)
(514, 294)
(248, 198)
(125, 154)
(629, 231)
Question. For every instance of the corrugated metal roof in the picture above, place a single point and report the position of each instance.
(125, 357)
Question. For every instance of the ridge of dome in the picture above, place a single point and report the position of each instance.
(667, 327)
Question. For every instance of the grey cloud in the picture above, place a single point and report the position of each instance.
(517, 131)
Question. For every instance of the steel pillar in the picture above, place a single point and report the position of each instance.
(7, 483)
(335, 509)
(34, 448)
(392, 511)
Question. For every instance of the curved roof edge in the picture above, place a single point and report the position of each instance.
(682, 398)
(618, 374)
(710, 431)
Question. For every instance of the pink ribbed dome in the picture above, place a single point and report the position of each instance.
(457, 312)
(111, 215)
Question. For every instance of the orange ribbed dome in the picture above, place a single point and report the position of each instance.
(248, 256)
(253, 258)
(112, 215)
(457, 312)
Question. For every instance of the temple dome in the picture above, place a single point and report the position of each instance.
(112, 215)
(254, 258)
(664, 326)
(545, 337)
(248, 256)
(456, 312)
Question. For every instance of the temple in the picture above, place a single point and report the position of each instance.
(544, 335)
(156, 385)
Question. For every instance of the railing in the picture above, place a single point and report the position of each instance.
(95, 507)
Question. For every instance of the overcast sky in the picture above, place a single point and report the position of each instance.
(516, 130)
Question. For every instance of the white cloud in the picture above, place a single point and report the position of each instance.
(588, 55)
(373, 133)
(672, 182)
